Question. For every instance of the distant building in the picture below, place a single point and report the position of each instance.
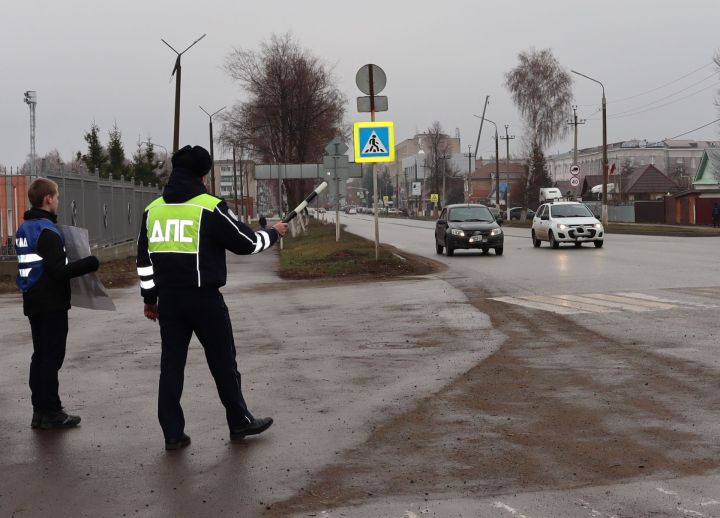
(243, 177)
(677, 159)
(483, 183)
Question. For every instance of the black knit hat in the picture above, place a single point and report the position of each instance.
(193, 158)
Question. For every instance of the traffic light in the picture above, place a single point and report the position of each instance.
(30, 97)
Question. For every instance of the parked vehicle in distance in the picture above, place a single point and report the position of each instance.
(516, 213)
(467, 226)
(566, 222)
(350, 210)
(497, 214)
(550, 194)
(392, 210)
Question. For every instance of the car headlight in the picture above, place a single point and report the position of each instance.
(496, 232)
(562, 226)
(457, 232)
(598, 225)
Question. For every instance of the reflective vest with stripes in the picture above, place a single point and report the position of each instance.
(30, 264)
(175, 227)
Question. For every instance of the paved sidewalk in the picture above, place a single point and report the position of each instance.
(329, 362)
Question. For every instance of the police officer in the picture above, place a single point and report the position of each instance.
(44, 275)
(181, 264)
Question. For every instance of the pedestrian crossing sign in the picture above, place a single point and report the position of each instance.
(374, 141)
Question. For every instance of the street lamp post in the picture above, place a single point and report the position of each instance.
(212, 153)
(31, 101)
(605, 157)
(177, 70)
(497, 164)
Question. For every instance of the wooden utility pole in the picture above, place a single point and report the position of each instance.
(507, 138)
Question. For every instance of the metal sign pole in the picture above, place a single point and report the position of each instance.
(374, 170)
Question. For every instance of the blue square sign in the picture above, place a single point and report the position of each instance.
(374, 142)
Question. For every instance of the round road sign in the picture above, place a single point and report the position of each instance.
(362, 79)
(574, 181)
(575, 169)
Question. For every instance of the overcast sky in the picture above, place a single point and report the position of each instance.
(103, 61)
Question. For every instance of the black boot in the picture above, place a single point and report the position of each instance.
(37, 416)
(58, 419)
(253, 428)
(176, 444)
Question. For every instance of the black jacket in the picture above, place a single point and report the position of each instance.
(52, 292)
(219, 230)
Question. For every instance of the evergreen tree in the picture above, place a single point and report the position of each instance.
(96, 158)
(116, 154)
(144, 163)
(536, 176)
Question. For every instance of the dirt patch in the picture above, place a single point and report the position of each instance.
(121, 273)
(547, 411)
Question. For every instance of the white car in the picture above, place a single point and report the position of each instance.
(566, 222)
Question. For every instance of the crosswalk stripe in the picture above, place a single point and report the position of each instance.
(566, 303)
(587, 305)
(539, 305)
(668, 301)
(626, 300)
(607, 303)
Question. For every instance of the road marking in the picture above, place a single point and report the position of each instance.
(668, 301)
(584, 305)
(514, 512)
(522, 301)
(626, 300)
(605, 303)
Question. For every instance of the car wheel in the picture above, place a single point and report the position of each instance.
(499, 251)
(598, 244)
(553, 242)
(438, 248)
(449, 249)
(578, 244)
(536, 241)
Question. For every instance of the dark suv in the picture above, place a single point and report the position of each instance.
(467, 226)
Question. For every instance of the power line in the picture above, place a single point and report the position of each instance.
(657, 87)
(626, 114)
(693, 130)
(667, 96)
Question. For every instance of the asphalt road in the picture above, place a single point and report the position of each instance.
(542, 383)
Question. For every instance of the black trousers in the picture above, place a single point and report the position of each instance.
(49, 336)
(203, 312)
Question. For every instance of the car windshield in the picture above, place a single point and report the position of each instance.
(470, 214)
(570, 211)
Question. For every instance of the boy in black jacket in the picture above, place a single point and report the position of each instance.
(44, 277)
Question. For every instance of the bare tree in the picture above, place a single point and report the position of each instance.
(438, 150)
(294, 107)
(542, 91)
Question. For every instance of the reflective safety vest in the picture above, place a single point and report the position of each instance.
(30, 264)
(175, 227)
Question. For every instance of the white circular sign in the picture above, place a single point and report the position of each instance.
(574, 181)
(575, 169)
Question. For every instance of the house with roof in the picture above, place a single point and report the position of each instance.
(645, 184)
(694, 206)
(483, 182)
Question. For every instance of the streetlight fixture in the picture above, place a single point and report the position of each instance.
(212, 153)
(31, 101)
(605, 157)
(177, 71)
